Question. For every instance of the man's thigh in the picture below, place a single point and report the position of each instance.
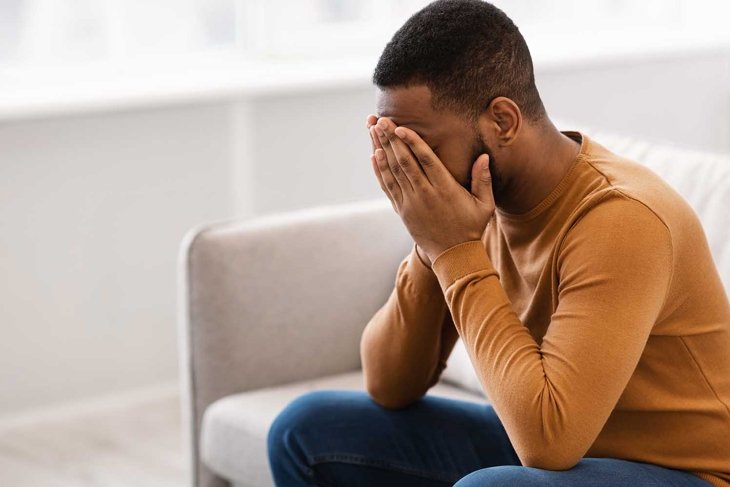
(344, 438)
(603, 472)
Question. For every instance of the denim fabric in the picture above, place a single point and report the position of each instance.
(342, 438)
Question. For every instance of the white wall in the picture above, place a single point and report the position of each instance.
(307, 150)
(682, 99)
(91, 213)
(92, 207)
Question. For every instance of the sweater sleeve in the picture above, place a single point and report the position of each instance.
(614, 268)
(405, 344)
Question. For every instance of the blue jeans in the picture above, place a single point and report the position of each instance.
(342, 438)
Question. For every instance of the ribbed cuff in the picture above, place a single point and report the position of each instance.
(460, 260)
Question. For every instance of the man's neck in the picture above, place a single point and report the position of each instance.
(549, 155)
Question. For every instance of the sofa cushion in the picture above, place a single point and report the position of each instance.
(702, 178)
(234, 429)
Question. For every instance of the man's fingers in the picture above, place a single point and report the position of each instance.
(481, 180)
(392, 187)
(374, 140)
(395, 169)
(407, 160)
(374, 163)
(432, 166)
(372, 120)
(381, 166)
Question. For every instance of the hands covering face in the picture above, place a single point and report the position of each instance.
(436, 210)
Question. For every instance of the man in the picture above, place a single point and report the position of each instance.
(580, 283)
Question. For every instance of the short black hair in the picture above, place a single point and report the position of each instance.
(467, 52)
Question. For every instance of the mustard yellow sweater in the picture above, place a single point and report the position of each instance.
(596, 322)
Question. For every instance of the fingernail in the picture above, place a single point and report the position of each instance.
(379, 130)
(400, 133)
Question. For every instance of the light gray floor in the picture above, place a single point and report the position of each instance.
(138, 446)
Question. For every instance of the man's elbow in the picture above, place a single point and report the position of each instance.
(390, 400)
(555, 458)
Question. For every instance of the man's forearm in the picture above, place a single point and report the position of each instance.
(401, 347)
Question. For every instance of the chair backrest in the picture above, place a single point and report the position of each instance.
(279, 298)
(702, 178)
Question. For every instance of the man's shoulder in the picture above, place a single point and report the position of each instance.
(610, 211)
(630, 187)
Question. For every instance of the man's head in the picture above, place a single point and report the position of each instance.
(459, 73)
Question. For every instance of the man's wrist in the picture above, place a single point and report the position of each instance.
(423, 258)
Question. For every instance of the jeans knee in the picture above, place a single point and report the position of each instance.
(304, 414)
(499, 476)
(293, 416)
(292, 436)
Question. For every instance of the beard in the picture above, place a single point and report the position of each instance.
(479, 147)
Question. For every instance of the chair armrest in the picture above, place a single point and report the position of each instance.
(280, 298)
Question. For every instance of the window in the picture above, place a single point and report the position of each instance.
(83, 33)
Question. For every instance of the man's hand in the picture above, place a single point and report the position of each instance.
(437, 211)
(372, 120)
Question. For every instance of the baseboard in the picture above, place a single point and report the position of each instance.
(90, 406)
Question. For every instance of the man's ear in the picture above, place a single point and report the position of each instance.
(502, 120)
